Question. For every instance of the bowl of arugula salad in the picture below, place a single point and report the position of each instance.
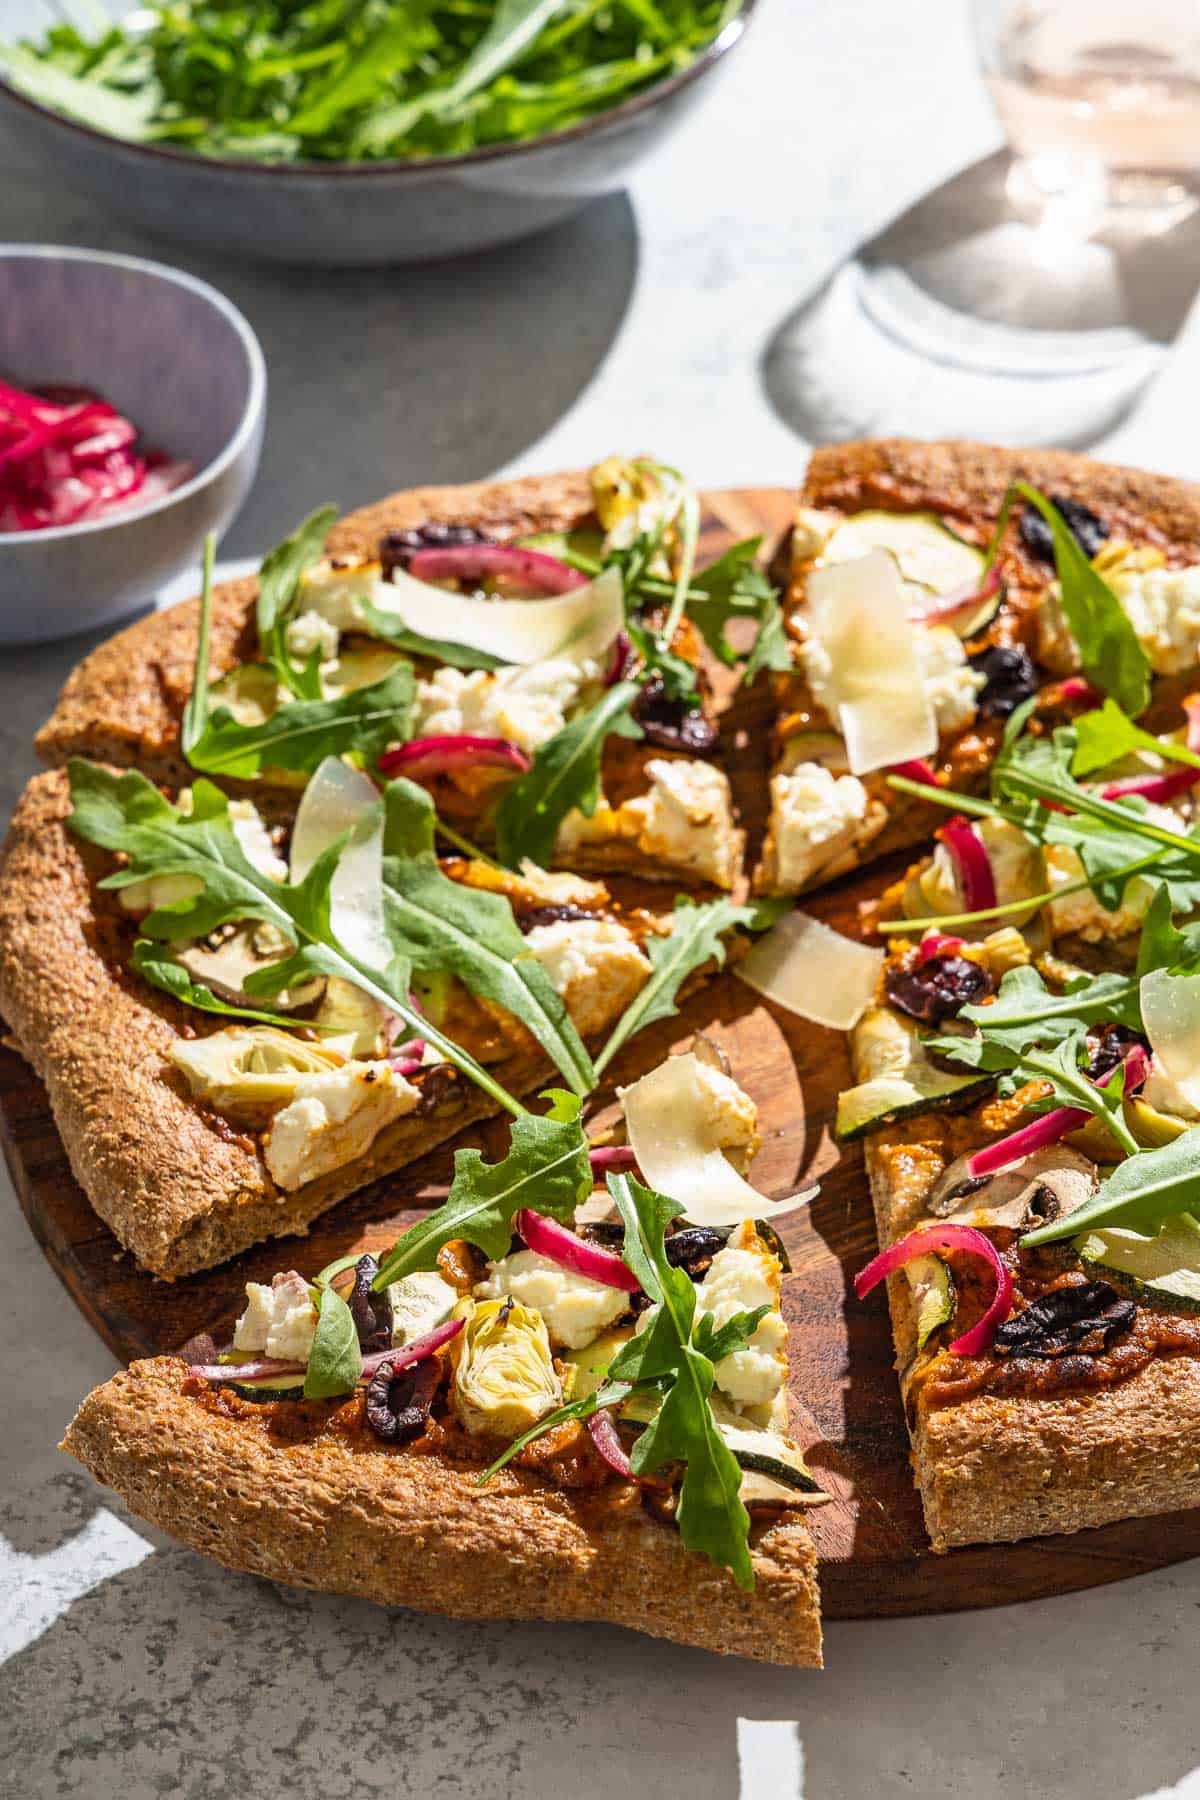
(374, 133)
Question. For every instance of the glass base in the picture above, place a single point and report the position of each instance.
(979, 314)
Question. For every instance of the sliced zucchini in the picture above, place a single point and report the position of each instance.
(931, 558)
(269, 1387)
(933, 1295)
(901, 1081)
(355, 669)
(815, 744)
(763, 1452)
(1163, 1269)
(251, 692)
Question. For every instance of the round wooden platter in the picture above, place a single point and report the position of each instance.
(874, 1555)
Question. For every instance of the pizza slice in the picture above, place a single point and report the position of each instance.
(530, 651)
(1032, 1133)
(931, 590)
(242, 1016)
(510, 1413)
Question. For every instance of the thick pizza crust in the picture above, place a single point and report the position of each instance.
(995, 1468)
(172, 1183)
(409, 1530)
(123, 703)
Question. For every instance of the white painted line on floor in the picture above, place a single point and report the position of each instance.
(770, 1760)
(37, 1590)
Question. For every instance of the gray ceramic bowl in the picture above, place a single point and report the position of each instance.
(175, 357)
(355, 215)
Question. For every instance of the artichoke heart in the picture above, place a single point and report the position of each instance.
(352, 1020)
(631, 500)
(248, 1071)
(504, 1374)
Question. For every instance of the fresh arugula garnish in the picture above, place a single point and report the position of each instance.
(565, 776)
(439, 924)
(1109, 650)
(335, 1361)
(195, 713)
(1025, 1010)
(546, 1168)
(710, 1514)
(302, 733)
(678, 676)
(126, 813)
(696, 937)
(1106, 736)
(609, 1393)
(1140, 1193)
(279, 580)
(159, 968)
(735, 587)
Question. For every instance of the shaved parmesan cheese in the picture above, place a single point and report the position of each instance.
(575, 626)
(1171, 1016)
(338, 800)
(677, 1127)
(864, 665)
(814, 972)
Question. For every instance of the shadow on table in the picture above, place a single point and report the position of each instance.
(176, 1675)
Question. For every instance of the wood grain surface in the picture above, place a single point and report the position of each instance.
(875, 1558)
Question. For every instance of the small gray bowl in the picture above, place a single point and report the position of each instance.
(346, 215)
(174, 356)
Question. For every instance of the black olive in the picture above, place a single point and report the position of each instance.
(693, 1248)
(397, 548)
(1107, 1045)
(1010, 676)
(1085, 526)
(371, 1312)
(608, 1233)
(672, 724)
(529, 916)
(398, 1405)
(936, 990)
(1081, 1321)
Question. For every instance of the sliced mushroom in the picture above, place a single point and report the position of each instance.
(1043, 1186)
(224, 959)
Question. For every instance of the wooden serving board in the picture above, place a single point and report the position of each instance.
(874, 1554)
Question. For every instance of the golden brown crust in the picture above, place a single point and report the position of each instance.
(169, 1180)
(995, 1468)
(409, 1530)
(124, 702)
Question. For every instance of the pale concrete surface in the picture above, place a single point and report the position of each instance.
(136, 1669)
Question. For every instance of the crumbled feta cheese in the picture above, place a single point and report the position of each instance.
(728, 1116)
(561, 890)
(596, 965)
(334, 1118)
(741, 1277)
(1080, 914)
(815, 815)
(686, 820)
(951, 684)
(527, 705)
(311, 631)
(255, 840)
(1162, 605)
(279, 1320)
(420, 1302)
(575, 1308)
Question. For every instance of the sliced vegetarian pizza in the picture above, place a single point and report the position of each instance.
(244, 1012)
(529, 651)
(512, 1413)
(932, 589)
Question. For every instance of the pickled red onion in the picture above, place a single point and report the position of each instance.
(558, 1245)
(937, 943)
(970, 594)
(973, 865)
(472, 562)
(1158, 789)
(604, 1435)
(67, 456)
(916, 770)
(450, 754)
(1053, 1125)
(928, 1240)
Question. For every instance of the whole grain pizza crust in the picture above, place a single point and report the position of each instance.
(405, 1529)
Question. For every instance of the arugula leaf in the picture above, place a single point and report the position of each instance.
(710, 1514)
(735, 587)
(278, 588)
(195, 713)
(1140, 1193)
(335, 1361)
(127, 813)
(1003, 1053)
(609, 1393)
(565, 775)
(695, 937)
(391, 629)
(302, 733)
(441, 925)
(1109, 649)
(731, 1337)
(160, 969)
(1162, 945)
(1106, 735)
(1025, 1011)
(679, 677)
(547, 1168)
